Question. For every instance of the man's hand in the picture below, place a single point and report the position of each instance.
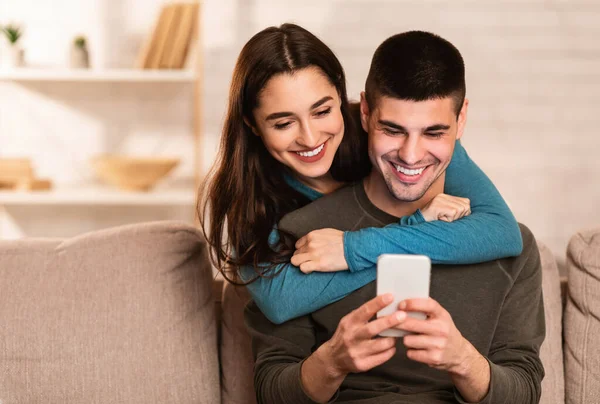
(438, 343)
(320, 250)
(447, 208)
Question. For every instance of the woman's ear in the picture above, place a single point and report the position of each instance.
(364, 112)
(247, 122)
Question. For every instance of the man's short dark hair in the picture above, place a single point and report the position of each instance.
(416, 66)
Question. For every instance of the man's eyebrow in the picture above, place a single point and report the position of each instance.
(392, 125)
(401, 128)
(437, 127)
(277, 115)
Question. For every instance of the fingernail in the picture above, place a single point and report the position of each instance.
(402, 305)
(400, 315)
(387, 298)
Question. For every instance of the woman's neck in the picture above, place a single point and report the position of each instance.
(325, 184)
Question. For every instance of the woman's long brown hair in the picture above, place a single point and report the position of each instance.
(246, 194)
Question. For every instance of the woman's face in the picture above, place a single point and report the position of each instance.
(300, 121)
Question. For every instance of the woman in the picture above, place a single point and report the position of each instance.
(289, 138)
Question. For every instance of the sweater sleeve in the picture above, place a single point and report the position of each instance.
(490, 232)
(291, 293)
(279, 351)
(515, 367)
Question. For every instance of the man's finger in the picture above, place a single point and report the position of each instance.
(424, 342)
(418, 326)
(378, 345)
(374, 327)
(365, 312)
(427, 306)
(378, 359)
(418, 355)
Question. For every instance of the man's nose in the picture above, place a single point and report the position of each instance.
(411, 151)
(308, 137)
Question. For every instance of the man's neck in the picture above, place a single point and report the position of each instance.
(379, 194)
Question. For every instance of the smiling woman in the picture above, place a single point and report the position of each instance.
(288, 117)
(299, 132)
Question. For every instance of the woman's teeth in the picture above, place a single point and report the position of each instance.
(312, 152)
(408, 172)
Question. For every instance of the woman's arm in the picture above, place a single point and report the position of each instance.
(490, 232)
(291, 294)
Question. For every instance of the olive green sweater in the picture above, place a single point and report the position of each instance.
(496, 305)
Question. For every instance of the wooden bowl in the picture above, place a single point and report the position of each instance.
(132, 173)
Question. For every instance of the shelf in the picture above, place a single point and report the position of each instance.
(98, 196)
(93, 75)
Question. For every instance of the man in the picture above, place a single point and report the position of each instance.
(485, 323)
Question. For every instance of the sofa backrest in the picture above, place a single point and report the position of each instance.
(551, 352)
(582, 318)
(237, 363)
(123, 315)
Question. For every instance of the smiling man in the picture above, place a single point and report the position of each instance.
(484, 325)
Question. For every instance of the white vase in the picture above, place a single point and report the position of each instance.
(15, 56)
(79, 58)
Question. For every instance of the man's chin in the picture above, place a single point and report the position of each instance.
(407, 193)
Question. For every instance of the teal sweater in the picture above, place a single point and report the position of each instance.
(490, 232)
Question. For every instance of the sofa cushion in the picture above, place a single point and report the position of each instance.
(237, 362)
(582, 319)
(551, 352)
(123, 315)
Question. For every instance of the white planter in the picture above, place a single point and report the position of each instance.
(79, 58)
(15, 56)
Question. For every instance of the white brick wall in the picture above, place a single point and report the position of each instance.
(533, 78)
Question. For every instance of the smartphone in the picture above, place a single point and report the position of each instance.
(405, 277)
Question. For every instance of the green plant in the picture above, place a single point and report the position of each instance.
(12, 32)
(80, 41)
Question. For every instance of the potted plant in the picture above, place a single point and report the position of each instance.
(16, 55)
(79, 53)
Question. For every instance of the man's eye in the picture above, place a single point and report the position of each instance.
(324, 112)
(435, 135)
(281, 126)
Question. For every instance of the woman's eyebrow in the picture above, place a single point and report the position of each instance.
(321, 102)
(277, 115)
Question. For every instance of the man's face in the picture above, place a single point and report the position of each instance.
(411, 143)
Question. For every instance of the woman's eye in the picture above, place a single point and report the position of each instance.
(283, 125)
(390, 132)
(324, 112)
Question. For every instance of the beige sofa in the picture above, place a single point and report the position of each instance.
(127, 315)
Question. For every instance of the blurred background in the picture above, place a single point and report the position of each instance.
(533, 80)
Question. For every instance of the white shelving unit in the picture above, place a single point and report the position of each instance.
(98, 196)
(107, 75)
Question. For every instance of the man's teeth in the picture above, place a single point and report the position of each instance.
(312, 152)
(408, 172)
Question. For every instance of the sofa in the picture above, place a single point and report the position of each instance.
(134, 314)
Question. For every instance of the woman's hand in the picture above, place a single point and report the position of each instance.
(320, 250)
(447, 208)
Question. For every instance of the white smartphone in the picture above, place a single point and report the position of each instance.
(405, 277)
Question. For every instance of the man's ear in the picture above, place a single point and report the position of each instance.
(254, 130)
(462, 119)
(364, 112)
